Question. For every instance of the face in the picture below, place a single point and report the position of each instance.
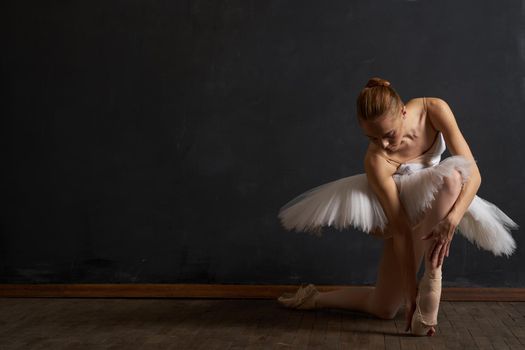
(386, 131)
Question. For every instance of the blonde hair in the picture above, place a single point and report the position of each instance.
(376, 99)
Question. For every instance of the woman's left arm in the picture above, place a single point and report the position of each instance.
(468, 191)
(443, 120)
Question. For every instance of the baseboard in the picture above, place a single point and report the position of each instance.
(228, 291)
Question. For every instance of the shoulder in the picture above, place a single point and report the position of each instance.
(443, 119)
(418, 105)
(379, 173)
(376, 162)
(440, 114)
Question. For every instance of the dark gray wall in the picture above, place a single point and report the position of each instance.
(155, 141)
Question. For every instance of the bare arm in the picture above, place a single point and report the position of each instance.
(470, 188)
(380, 179)
(443, 120)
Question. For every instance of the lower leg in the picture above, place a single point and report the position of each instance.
(429, 293)
(428, 298)
(384, 299)
(351, 298)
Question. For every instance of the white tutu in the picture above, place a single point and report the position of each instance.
(350, 201)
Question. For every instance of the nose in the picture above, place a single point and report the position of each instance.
(385, 144)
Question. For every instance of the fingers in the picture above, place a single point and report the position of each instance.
(436, 254)
(442, 254)
(439, 255)
(432, 250)
(448, 248)
(433, 256)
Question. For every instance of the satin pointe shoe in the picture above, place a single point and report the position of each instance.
(427, 304)
(303, 299)
(419, 327)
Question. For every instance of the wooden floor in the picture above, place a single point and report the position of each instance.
(44, 323)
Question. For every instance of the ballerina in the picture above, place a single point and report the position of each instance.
(415, 204)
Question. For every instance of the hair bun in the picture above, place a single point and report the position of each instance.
(377, 82)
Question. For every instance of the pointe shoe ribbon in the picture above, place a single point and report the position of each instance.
(303, 299)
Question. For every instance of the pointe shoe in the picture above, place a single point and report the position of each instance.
(424, 318)
(303, 299)
(419, 327)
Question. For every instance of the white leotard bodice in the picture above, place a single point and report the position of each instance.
(429, 158)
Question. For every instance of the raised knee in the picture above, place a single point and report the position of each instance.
(453, 182)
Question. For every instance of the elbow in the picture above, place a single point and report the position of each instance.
(475, 177)
(474, 182)
(478, 175)
(478, 178)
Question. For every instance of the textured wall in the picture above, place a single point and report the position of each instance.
(155, 141)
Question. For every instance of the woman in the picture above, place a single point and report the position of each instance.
(407, 198)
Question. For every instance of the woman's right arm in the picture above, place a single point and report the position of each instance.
(379, 174)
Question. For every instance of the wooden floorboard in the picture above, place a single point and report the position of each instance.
(225, 291)
(93, 323)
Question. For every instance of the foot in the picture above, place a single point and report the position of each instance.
(428, 296)
(304, 299)
(419, 327)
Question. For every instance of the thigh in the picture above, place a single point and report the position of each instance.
(388, 291)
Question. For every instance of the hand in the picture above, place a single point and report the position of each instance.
(410, 308)
(442, 234)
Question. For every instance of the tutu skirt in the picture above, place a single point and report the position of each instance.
(351, 202)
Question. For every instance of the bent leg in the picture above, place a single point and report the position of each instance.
(385, 299)
(441, 205)
(429, 292)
